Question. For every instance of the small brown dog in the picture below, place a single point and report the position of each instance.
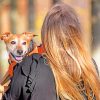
(18, 46)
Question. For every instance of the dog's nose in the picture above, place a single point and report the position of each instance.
(19, 52)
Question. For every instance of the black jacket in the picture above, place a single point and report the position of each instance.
(32, 80)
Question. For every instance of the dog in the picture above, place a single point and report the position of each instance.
(18, 46)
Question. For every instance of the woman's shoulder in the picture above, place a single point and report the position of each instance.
(36, 65)
(42, 64)
(41, 74)
(34, 62)
(42, 70)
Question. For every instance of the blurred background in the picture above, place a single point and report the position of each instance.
(18, 16)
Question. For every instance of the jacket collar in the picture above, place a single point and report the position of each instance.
(27, 62)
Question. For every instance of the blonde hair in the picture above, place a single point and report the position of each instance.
(73, 68)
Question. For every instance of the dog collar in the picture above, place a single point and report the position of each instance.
(12, 63)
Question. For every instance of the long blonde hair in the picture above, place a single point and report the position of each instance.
(73, 68)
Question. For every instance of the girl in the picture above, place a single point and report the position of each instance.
(73, 68)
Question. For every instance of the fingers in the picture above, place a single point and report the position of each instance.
(0, 96)
(1, 89)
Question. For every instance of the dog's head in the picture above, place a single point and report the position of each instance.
(17, 44)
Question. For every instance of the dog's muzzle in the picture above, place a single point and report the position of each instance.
(17, 58)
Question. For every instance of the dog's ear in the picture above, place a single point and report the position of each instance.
(5, 36)
(29, 35)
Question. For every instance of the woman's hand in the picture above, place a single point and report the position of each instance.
(1, 91)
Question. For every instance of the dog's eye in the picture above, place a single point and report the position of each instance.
(24, 43)
(13, 42)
